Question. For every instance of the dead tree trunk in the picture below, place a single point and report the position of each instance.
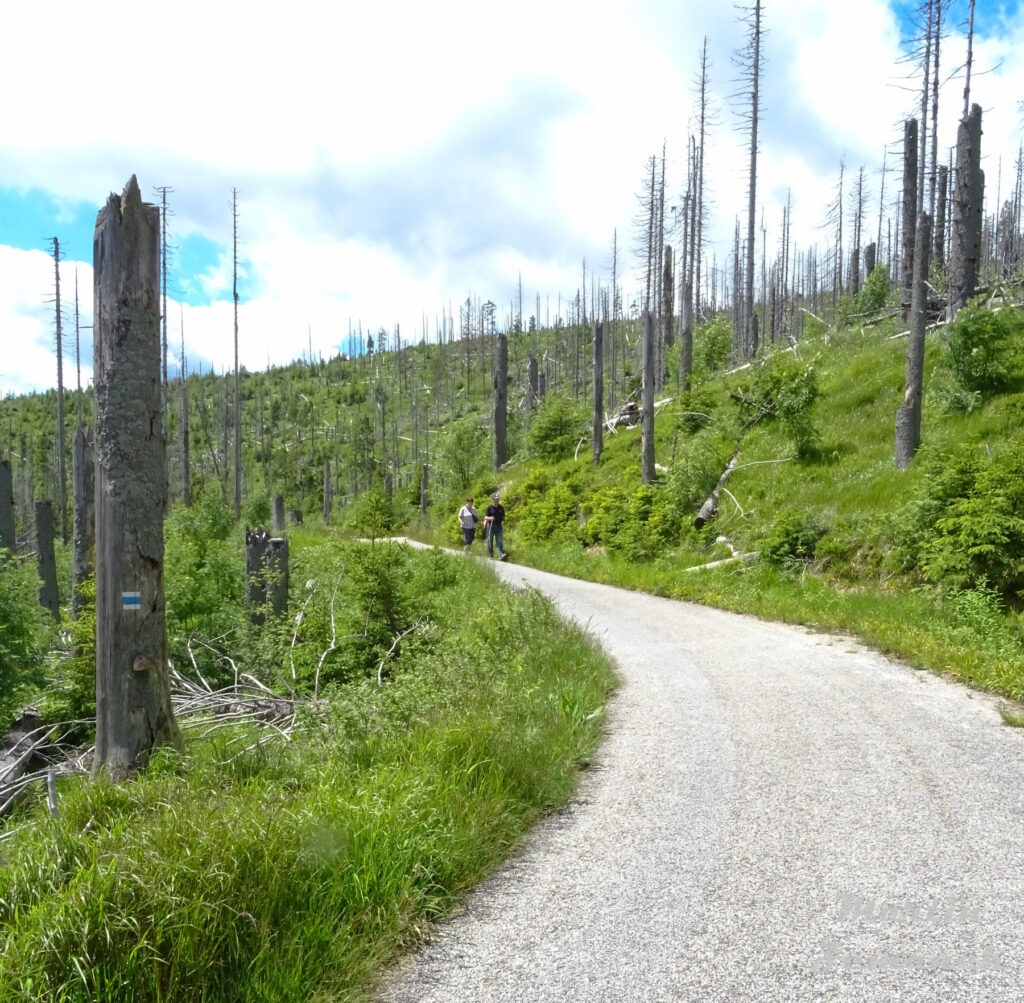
(968, 196)
(909, 216)
(500, 452)
(908, 418)
(278, 515)
(710, 506)
(424, 482)
(7, 535)
(328, 494)
(647, 403)
(133, 702)
(83, 532)
(668, 297)
(939, 236)
(48, 595)
(598, 421)
(869, 259)
(533, 394)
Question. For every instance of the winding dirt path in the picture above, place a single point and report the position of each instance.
(774, 815)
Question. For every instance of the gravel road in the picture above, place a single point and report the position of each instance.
(774, 815)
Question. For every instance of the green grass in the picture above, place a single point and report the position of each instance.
(298, 872)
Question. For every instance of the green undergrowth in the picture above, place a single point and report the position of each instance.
(297, 871)
(926, 563)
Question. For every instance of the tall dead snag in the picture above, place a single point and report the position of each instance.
(500, 452)
(7, 538)
(939, 235)
(62, 472)
(424, 483)
(668, 296)
(533, 393)
(598, 422)
(237, 390)
(133, 701)
(48, 596)
(647, 403)
(908, 417)
(968, 197)
(750, 65)
(83, 531)
(909, 215)
(186, 462)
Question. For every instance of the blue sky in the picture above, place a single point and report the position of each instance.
(392, 160)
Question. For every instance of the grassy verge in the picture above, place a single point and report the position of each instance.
(297, 872)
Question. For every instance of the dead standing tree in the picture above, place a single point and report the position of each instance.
(647, 403)
(598, 414)
(7, 537)
(133, 702)
(968, 197)
(500, 451)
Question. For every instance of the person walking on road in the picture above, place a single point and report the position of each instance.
(468, 518)
(494, 519)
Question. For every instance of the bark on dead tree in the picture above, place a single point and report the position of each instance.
(939, 236)
(266, 574)
(909, 215)
(668, 297)
(869, 258)
(278, 515)
(133, 703)
(7, 535)
(83, 532)
(500, 451)
(908, 418)
(533, 394)
(968, 197)
(48, 595)
(328, 493)
(598, 423)
(647, 403)
(710, 506)
(424, 481)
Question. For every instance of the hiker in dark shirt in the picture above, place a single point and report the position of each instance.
(494, 519)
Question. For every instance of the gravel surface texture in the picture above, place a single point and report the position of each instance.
(774, 815)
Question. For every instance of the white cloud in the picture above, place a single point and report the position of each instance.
(393, 158)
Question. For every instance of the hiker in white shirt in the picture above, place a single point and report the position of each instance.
(468, 518)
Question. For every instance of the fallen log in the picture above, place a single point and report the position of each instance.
(710, 506)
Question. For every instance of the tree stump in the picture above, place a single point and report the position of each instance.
(279, 515)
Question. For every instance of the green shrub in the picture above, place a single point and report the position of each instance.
(875, 291)
(966, 524)
(985, 348)
(785, 388)
(25, 632)
(792, 538)
(549, 516)
(712, 345)
(557, 427)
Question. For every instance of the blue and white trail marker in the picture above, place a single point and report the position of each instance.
(131, 600)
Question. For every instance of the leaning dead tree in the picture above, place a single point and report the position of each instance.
(133, 703)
